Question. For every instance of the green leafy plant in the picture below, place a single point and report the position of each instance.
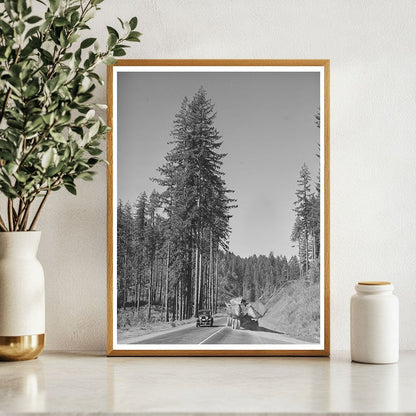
(50, 134)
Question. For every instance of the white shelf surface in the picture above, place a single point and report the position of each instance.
(86, 383)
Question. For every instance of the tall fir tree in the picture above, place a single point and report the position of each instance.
(196, 198)
(140, 223)
(303, 209)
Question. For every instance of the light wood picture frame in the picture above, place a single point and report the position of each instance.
(218, 208)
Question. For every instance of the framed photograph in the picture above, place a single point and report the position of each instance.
(218, 208)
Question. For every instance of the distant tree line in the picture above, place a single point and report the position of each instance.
(254, 277)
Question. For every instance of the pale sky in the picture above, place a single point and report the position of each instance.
(267, 124)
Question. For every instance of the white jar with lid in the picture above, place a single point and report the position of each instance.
(374, 323)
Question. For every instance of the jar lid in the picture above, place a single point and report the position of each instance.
(373, 287)
(374, 283)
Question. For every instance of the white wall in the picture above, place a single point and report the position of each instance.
(371, 45)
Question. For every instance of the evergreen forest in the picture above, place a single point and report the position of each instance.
(172, 244)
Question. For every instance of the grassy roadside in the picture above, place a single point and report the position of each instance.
(294, 311)
(132, 323)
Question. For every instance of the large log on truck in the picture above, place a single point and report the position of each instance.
(243, 314)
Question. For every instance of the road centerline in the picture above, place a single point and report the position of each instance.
(216, 332)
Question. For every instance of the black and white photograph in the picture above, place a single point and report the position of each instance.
(218, 208)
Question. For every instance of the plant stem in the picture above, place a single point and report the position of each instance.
(38, 211)
(2, 224)
(23, 223)
(17, 217)
(26, 216)
(20, 213)
(14, 216)
(10, 213)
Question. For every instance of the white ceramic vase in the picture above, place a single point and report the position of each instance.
(22, 296)
(374, 323)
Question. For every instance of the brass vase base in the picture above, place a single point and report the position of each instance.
(21, 348)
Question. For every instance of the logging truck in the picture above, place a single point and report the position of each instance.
(242, 314)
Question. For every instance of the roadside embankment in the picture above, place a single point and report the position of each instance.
(294, 310)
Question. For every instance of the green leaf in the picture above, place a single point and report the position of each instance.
(94, 151)
(87, 42)
(94, 129)
(53, 83)
(33, 44)
(73, 38)
(58, 137)
(54, 4)
(70, 188)
(67, 153)
(11, 168)
(77, 130)
(119, 52)
(96, 77)
(21, 177)
(26, 11)
(63, 41)
(5, 146)
(52, 171)
(111, 30)
(90, 114)
(61, 21)
(110, 60)
(88, 16)
(74, 18)
(8, 190)
(33, 19)
(47, 158)
(78, 57)
(134, 37)
(16, 124)
(123, 46)
(133, 23)
(82, 98)
(86, 176)
(35, 125)
(20, 28)
(82, 166)
(46, 56)
(48, 118)
(32, 31)
(21, 6)
(7, 29)
(7, 52)
(78, 154)
(92, 161)
(70, 10)
(112, 41)
(10, 8)
(121, 22)
(67, 56)
(31, 90)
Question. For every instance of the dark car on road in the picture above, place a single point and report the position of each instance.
(205, 318)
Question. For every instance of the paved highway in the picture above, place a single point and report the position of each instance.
(217, 334)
